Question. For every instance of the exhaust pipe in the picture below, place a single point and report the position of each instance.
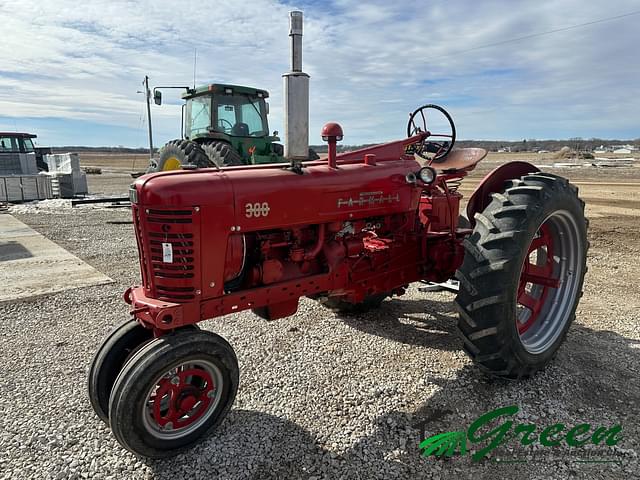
(296, 96)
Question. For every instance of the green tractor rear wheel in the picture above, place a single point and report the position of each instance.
(221, 154)
(177, 153)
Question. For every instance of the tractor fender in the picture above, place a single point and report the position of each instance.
(494, 182)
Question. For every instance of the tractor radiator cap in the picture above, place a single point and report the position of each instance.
(331, 129)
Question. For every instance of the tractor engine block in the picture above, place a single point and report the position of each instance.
(216, 242)
(263, 258)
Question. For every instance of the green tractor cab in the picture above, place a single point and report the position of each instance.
(223, 125)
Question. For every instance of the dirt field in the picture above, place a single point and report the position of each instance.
(323, 395)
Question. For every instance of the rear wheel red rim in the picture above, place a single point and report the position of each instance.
(550, 282)
(536, 279)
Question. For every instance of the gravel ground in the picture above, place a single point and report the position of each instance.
(320, 396)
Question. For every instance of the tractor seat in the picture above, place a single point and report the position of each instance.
(461, 159)
(240, 130)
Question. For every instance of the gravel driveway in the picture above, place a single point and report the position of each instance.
(321, 396)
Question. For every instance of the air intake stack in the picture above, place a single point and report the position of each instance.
(296, 96)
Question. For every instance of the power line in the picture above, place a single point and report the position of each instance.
(540, 34)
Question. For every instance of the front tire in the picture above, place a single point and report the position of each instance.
(122, 342)
(109, 360)
(522, 275)
(172, 392)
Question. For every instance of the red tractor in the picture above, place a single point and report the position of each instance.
(349, 230)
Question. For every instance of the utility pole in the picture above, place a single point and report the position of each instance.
(147, 94)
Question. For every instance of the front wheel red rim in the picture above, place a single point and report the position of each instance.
(182, 399)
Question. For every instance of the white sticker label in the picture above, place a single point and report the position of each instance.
(167, 253)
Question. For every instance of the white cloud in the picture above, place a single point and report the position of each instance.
(370, 62)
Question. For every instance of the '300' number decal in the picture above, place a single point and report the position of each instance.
(255, 210)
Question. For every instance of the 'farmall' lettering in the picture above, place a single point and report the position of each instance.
(368, 199)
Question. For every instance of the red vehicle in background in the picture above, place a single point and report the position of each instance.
(14, 142)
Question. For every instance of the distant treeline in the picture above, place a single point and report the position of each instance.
(533, 145)
(74, 148)
(528, 145)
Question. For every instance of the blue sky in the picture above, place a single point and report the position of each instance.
(70, 74)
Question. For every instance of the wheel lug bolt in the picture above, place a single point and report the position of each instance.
(168, 426)
(211, 393)
(175, 380)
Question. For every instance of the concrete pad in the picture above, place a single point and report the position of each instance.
(31, 264)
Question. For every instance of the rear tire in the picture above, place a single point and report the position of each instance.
(221, 154)
(463, 221)
(172, 392)
(522, 275)
(177, 153)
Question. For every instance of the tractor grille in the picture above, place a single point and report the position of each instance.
(170, 252)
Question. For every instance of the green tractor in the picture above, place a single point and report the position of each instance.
(222, 125)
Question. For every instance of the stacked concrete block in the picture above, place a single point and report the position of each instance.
(25, 188)
(10, 164)
(68, 185)
(18, 164)
(80, 186)
(13, 188)
(28, 163)
(69, 180)
(44, 187)
(19, 179)
(63, 162)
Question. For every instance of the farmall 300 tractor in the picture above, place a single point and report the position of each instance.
(352, 229)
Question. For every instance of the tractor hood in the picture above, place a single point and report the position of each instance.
(180, 188)
(251, 199)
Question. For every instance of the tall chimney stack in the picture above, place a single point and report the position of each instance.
(296, 96)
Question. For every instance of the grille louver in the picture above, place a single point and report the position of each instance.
(178, 281)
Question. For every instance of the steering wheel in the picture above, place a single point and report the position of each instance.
(222, 121)
(433, 151)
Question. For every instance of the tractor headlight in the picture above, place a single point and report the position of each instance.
(427, 175)
(133, 194)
